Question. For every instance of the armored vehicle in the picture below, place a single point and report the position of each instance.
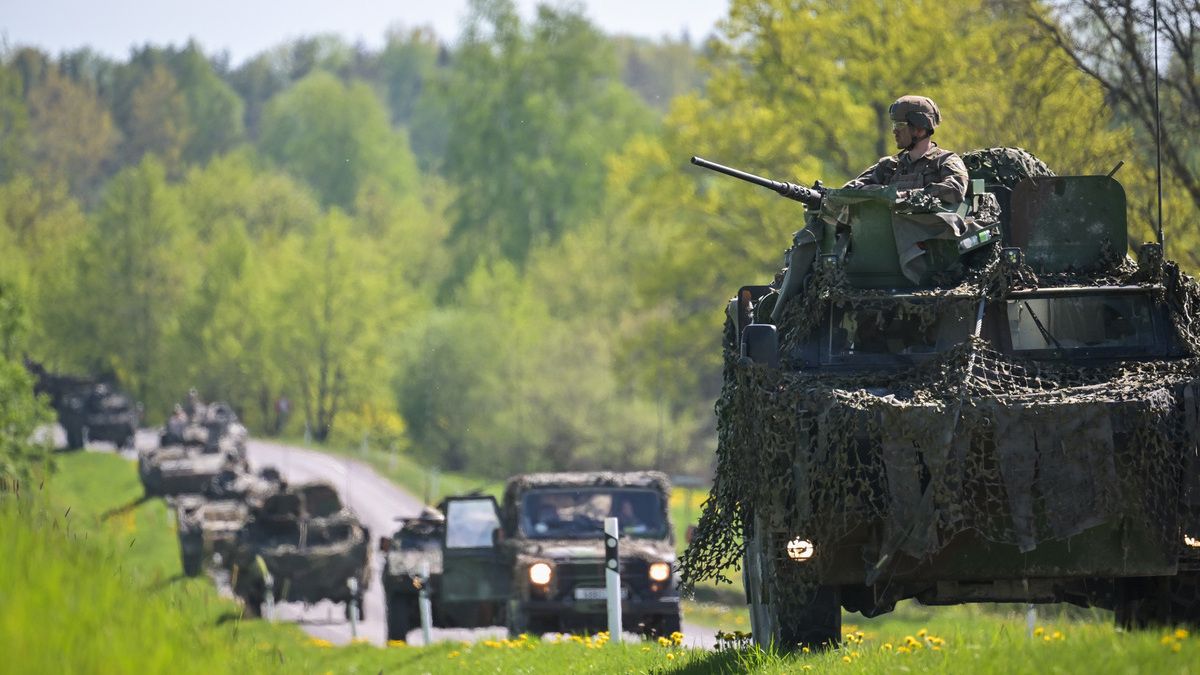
(208, 524)
(412, 558)
(89, 408)
(189, 465)
(1019, 425)
(302, 545)
(535, 562)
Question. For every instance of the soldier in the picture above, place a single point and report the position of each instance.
(921, 165)
(195, 407)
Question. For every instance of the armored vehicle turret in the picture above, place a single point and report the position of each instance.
(1016, 424)
(302, 545)
(208, 523)
(89, 408)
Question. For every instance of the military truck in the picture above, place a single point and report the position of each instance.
(535, 562)
(89, 407)
(208, 523)
(1018, 426)
(308, 545)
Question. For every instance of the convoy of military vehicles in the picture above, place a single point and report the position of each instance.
(1005, 414)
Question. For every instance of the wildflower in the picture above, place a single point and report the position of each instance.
(805, 650)
(318, 642)
(645, 649)
(1166, 640)
(903, 650)
(1037, 632)
(1176, 647)
(453, 655)
(887, 647)
(671, 656)
(664, 642)
(806, 666)
(676, 637)
(922, 633)
(1181, 633)
(847, 659)
(1057, 635)
(397, 643)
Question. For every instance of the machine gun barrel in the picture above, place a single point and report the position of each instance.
(807, 196)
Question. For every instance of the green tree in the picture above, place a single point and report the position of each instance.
(329, 311)
(20, 411)
(532, 111)
(158, 122)
(136, 269)
(335, 136)
(214, 110)
(14, 122)
(74, 137)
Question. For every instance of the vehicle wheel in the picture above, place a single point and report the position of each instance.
(192, 562)
(1158, 601)
(252, 607)
(402, 616)
(74, 437)
(517, 620)
(790, 620)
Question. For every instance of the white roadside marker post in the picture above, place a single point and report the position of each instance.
(612, 575)
(425, 606)
(352, 607)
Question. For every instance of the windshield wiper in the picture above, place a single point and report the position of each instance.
(1041, 329)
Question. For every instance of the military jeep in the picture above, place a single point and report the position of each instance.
(1020, 425)
(535, 562)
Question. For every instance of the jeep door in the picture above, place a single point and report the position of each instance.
(473, 573)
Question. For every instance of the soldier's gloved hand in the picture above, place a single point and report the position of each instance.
(917, 201)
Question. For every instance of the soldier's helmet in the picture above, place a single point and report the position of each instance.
(918, 111)
(431, 514)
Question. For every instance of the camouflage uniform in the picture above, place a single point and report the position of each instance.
(938, 172)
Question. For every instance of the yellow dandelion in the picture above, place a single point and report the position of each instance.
(1037, 632)
(397, 643)
(1166, 640)
(664, 642)
(910, 640)
(1181, 633)
(903, 650)
(645, 649)
(671, 656)
(922, 633)
(453, 655)
(854, 654)
(935, 648)
(318, 642)
(805, 650)
(806, 667)
(846, 659)
(677, 637)
(1057, 635)
(887, 647)
(1045, 638)
(1176, 647)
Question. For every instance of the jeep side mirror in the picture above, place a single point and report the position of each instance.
(497, 536)
(385, 544)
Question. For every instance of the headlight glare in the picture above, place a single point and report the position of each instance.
(660, 571)
(540, 573)
(800, 550)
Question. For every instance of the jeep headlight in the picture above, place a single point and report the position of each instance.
(1193, 542)
(540, 573)
(800, 550)
(660, 571)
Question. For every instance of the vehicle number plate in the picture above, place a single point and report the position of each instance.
(597, 593)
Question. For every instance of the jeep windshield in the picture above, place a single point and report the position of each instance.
(580, 513)
(1091, 324)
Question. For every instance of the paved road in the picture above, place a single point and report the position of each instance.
(378, 502)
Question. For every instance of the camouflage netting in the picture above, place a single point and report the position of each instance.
(1014, 450)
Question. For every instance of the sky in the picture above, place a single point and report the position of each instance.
(246, 27)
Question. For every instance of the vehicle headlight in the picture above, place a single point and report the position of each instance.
(660, 571)
(1191, 541)
(800, 550)
(540, 573)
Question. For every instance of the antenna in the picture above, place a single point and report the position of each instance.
(1157, 131)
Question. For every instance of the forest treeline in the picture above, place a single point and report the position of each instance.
(490, 252)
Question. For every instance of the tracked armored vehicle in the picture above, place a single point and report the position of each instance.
(208, 524)
(302, 545)
(535, 562)
(1018, 425)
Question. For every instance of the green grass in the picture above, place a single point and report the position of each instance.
(98, 590)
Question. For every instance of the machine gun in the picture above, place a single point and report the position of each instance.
(810, 197)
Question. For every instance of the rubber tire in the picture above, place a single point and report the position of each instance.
(787, 626)
(516, 620)
(192, 564)
(74, 437)
(402, 616)
(1158, 602)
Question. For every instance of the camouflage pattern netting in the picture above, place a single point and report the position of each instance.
(942, 448)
